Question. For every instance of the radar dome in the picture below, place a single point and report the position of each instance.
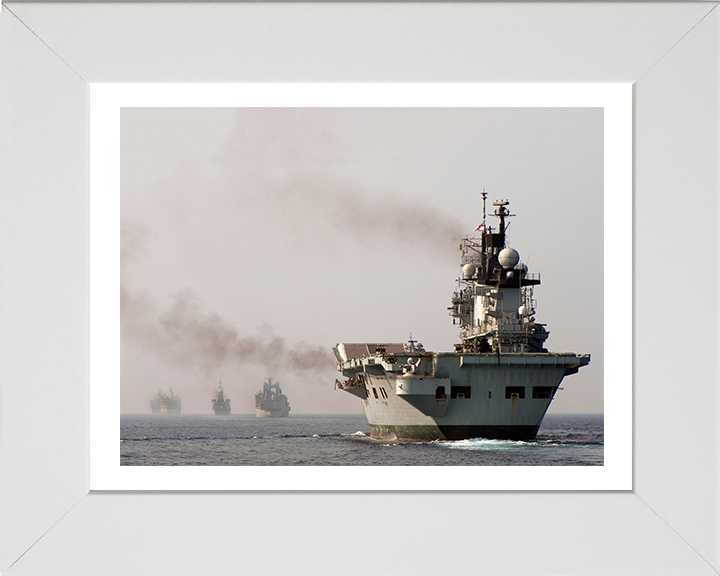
(469, 270)
(522, 311)
(508, 257)
(522, 268)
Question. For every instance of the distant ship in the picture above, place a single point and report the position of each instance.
(499, 381)
(270, 402)
(221, 405)
(163, 403)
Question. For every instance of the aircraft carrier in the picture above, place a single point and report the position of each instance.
(498, 382)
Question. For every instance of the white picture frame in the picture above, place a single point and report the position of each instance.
(51, 52)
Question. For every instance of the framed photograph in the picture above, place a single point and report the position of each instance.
(283, 211)
(68, 501)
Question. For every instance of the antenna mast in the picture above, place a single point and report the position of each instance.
(484, 196)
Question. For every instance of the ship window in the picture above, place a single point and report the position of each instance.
(375, 392)
(510, 390)
(440, 392)
(383, 393)
(543, 391)
(460, 392)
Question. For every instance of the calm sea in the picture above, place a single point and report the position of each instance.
(341, 440)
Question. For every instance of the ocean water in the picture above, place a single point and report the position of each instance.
(342, 440)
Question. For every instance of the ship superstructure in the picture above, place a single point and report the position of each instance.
(270, 402)
(221, 404)
(500, 379)
(166, 403)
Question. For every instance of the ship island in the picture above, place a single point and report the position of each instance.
(166, 403)
(221, 404)
(500, 379)
(270, 402)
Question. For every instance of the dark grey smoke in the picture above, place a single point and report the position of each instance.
(135, 238)
(383, 218)
(187, 336)
(282, 160)
(276, 166)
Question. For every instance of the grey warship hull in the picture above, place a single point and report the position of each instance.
(220, 404)
(452, 396)
(260, 413)
(166, 403)
(270, 402)
(500, 379)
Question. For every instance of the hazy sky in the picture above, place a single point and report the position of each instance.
(255, 239)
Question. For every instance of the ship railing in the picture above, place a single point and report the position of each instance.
(471, 258)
